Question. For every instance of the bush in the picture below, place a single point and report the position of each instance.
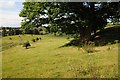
(10, 38)
(68, 37)
(40, 38)
(37, 39)
(33, 40)
(26, 44)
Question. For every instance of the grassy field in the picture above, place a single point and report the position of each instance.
(46, 59)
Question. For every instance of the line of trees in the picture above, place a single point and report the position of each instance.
(9, 31)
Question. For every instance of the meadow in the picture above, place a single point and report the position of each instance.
(47, 59)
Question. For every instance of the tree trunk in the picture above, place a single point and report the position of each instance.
(85, 35)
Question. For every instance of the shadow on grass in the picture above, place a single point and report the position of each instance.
(107, 36)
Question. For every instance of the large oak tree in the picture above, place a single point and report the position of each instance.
(83, 18)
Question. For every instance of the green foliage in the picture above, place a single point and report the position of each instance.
(17, 31)
(31, 12)
(58, 33)
(26, 44)
(76, 36)
(9, 31)
(54, 28)
(4, 32)
(42, 30)
(83, 18)
(33, 40)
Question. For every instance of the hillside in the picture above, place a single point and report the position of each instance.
(46, 59)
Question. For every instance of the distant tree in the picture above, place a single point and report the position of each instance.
(29, 31)
(10, 31)
(17, 31)
(4, 32)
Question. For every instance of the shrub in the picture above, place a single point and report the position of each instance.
(68, 37)
(10, 38)
(37, 39)
(33, 40)
(26, 44)
(40, 38)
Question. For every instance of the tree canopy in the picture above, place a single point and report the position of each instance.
(83, 18)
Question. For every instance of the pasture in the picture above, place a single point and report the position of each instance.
(47, 59)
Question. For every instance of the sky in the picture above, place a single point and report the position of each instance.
(9, 13)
